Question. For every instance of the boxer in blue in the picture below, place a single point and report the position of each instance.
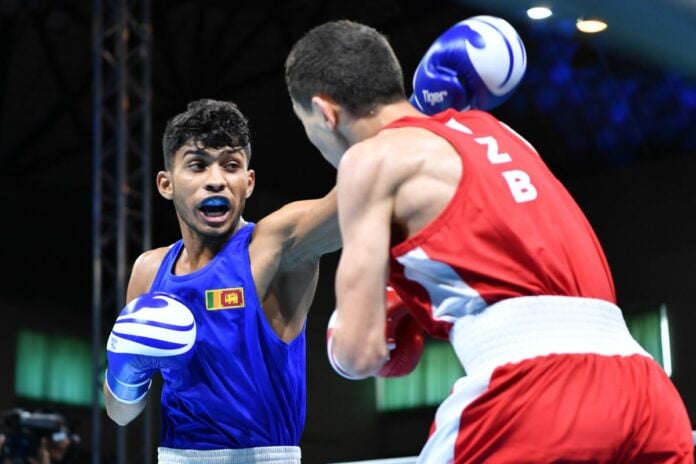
(238, 393)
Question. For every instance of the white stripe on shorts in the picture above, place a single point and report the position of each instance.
(262, 454)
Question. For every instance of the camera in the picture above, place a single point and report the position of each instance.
(28, 433)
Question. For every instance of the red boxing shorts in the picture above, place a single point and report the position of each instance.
(555, 379)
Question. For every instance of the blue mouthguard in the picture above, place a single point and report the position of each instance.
(215, 202)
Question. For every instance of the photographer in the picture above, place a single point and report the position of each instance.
(35, 438)
(42, 455)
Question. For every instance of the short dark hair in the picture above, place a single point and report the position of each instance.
(347, 61)
(210, 123)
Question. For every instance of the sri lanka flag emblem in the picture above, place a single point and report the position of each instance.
(224, 298)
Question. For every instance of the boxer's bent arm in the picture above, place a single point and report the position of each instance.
(366, 200)
(119, 412)
(143, 273)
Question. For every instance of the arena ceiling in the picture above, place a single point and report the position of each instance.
(587, 103)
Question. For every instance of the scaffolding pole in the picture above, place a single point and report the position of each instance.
(122, 184)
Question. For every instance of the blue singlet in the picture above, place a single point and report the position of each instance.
(244, 387)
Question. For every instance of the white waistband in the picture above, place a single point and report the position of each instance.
(262, 454)
(526, 327)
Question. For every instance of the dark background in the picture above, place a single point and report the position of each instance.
(613, 115)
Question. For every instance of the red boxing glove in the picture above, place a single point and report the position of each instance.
(405, 338)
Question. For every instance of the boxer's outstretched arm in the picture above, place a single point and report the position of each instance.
(301, 231)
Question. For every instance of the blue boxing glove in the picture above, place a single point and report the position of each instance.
(154, 331)
(476, 64)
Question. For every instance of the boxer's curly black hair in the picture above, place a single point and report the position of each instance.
(347, 61)
(210, 123)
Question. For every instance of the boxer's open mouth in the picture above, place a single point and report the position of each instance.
(214, 206)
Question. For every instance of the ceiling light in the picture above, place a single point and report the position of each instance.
(591, 26)
(539, 12)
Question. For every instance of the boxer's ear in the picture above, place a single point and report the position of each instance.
(328, 109)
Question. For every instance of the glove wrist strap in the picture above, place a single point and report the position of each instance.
(126, 392)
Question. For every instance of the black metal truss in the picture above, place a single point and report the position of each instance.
(121, 223)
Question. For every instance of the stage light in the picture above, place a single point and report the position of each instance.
(591, 26)
(539, 12)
